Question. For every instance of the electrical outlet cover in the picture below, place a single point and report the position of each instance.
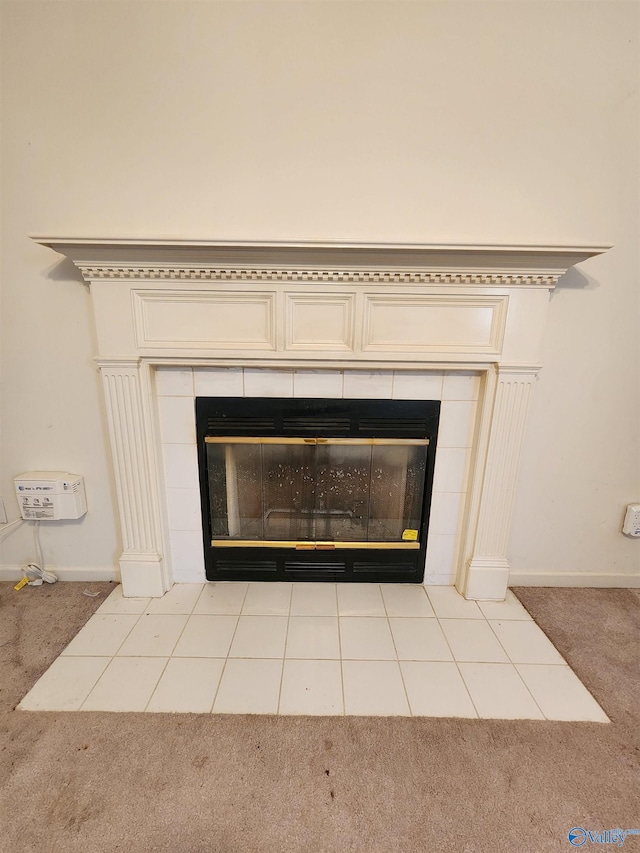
(631, 524)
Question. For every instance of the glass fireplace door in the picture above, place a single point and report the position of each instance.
(316, 493)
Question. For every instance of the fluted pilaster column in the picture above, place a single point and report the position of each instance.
(486, 573)
(132, 447)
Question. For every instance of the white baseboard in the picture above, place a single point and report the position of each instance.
(14, 573)
(568, 579)
(603, 580)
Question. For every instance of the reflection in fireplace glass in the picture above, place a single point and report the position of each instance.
(306, 490)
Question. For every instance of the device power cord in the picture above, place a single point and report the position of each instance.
(36, 572)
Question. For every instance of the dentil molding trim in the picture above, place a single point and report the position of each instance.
(382, 277)
(375, 263)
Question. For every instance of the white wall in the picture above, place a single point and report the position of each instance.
(427, 121)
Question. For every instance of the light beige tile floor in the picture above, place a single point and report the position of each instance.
(324, 649)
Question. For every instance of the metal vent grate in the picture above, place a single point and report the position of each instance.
(400, 427)
(240, 426)
(301, 566)
(246, 565)
(387, 568)
(316, 424)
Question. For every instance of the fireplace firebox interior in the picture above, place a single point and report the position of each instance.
(316, 489)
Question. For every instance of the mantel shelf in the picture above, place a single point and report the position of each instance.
(470, 259)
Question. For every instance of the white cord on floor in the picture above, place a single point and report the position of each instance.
(37, 575)
(36, 572)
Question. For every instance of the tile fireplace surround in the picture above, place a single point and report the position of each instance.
(176, 319)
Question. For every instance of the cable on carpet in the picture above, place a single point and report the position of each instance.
(35, 573)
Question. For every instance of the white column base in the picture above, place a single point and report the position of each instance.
(142, 576)
(486, 580)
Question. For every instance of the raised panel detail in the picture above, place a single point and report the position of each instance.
(434, 324)
(212, 319)
(319, 321)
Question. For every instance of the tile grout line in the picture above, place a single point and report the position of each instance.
(164, 669)
(112, 657)
(455, 661)
(528, 621)
(170, 657)
(335, 588)
(226, 660)
(515, 668)
(395, 648)
(134, 657)
(138, 615)
(528, 689)
(284, 650)
(509, 662)
(79, 708)
(582, 684)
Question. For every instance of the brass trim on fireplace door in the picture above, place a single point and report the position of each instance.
(311, 545)
(383, 441)
(247, 439)
(244, 439)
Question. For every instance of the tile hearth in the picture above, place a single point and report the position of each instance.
(320, 649)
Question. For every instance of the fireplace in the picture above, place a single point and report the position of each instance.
(315, 489)
(352, 310)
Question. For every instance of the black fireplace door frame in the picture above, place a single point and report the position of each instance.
(275, 417)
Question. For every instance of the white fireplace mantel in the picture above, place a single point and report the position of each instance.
(318, 305)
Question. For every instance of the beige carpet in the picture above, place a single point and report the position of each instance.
(95, 782)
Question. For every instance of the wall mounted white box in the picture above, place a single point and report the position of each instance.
(50, 495)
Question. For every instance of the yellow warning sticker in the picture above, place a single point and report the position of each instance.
(409, 535)
(21, 583)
